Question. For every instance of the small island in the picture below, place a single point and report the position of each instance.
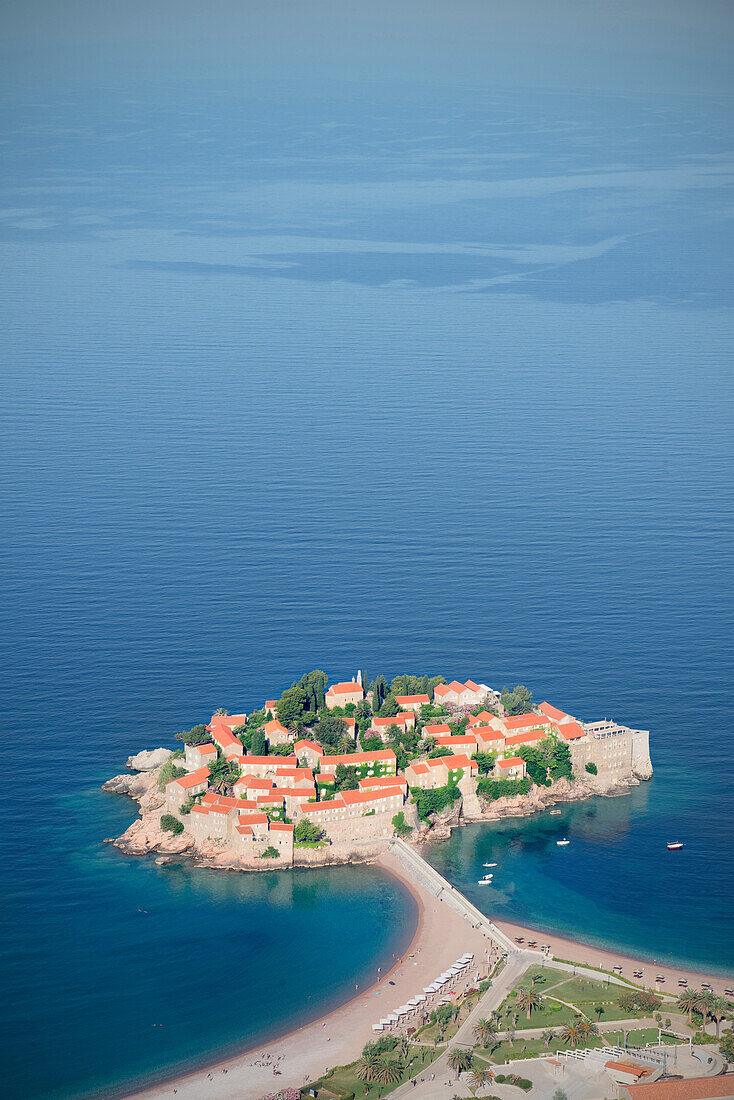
(332, 774)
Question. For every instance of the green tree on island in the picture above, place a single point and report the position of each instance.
(197, 735)
(222, 775)
(307, 832)
(517, 701)
(171, 824)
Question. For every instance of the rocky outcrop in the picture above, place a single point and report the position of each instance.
(148, 760)
(136, 786)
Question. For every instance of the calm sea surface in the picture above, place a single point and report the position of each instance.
(439, 381)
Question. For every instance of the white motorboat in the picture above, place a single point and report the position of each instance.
(485, 881)
(674, 845)
(563, 843)
(490, 865)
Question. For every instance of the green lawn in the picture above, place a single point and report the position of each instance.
(639, 1037)
(528, 1048)
(587, 995)
(545, 977)
(342, 1079)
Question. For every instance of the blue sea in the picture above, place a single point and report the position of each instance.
(350, 374)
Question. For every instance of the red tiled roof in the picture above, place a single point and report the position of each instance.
(209, 798)
(253, 819)
(419, 769)
(406, 700)
(281, 827)
(233, 720)
(552, 712)
(205, 750)
(276, 761)
(192, 779)
(360, 757)
(433, 731)
(452, 762)
(525, 721)
(347, 687)
(471, 685)
(382, 781)
(254, 781)
(350, 798)
(486, 733)
(294, 773)
(326, 777)
(509, 763)
(401, 719)
(691, 1088)
(244, 830)
(322, 807)
(274, 727)
(525, 738)
(304, 743)
(571, 730)
(457, 739)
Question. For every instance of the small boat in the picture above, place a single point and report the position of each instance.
(563, 843)
(674, 845)
(489, 865)
(485, 881)
(555, 811)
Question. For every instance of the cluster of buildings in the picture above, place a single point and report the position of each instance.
(274, 792)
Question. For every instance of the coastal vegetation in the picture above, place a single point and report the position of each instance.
(433, 801)
(492, 789)
(547, 762)
(402, 829)
(517, 701)
(170, 770)
(171, 824)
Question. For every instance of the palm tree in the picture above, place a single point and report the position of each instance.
(687, 1003)
(528, 1000)
(368, 1067)
(570, 1035)
(704, 1001)
(480, 1078)
(222, 775)
(389, 1072)
(460, 1059)
(586, 1029)
(484, 1031)
(718, 1011)
(548, 1036)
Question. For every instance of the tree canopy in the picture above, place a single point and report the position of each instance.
(517, 701)
(197, 735)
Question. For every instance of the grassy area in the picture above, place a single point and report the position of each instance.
(342, 1080)
(544, 977)
(639, 1037)
(598, 1000)
(528, 1048)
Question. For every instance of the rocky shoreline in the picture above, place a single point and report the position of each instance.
(146, 837)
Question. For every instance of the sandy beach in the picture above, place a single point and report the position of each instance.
(598, 956)
(441, 936)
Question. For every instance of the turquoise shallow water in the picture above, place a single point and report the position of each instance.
(385, 375)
